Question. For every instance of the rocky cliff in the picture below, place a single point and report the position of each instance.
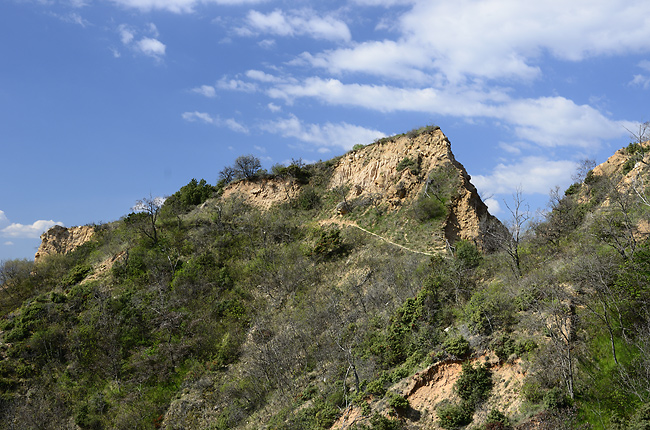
(392, 172)
(61, 240)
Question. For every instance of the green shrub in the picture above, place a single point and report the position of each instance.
(426, 208)
(457, 346)
(573, 189)
(532, 390)
(496, 416)
(452, 417)
(504, 347)
(76, 275)
(556, 398)
(474, 384)
(376, 387)
(357, 147)
(397, 402)
(329, 245)
(408, 163)
(468, 254)
(308, 199)
(380, 422)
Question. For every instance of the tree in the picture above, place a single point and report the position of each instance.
(245, 167)
(150, 206)
(13, 272)
(508, 240)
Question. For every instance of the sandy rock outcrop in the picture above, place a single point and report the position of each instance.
(264, 193)
(375, 170)
(393, 172)
(61, 240)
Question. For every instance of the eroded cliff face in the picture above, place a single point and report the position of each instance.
(61, 240)
(379, 170)
(393, 172)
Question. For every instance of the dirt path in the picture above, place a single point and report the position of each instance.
(342, 222)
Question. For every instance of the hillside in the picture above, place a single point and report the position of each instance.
(371, 291)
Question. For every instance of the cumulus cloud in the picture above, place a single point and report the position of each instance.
(236, 85)
(498, 39)
(296, 23)
(341, 135)
(206, 118)
(3, 219)
(545, 121)
(151, 47)
(126, 34)
(533, 174)
(146, 45)
(30, 231)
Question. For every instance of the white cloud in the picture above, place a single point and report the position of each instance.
(387, 58)
(296, 23)
(274, 108)
(236, 85)
(267, 43)
(179, 6)
(198, 116)
(32, 231)
(493, 39)
(153, 30)
(341, 135)
(641, 81)
(557, 121)
(3, 219)
(205, 90)
(206, 118)
(73, 18)
(233, 125)
(151, 47)
(126, 34)
(8, 243)
(532, 174)
(258, 75)
(545, 121)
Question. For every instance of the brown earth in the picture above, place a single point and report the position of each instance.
(428, 388)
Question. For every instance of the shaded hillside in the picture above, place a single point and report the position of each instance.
(339, 295)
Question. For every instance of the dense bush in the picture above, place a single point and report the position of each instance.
(457, 346)
(474, 384)
(454, 416)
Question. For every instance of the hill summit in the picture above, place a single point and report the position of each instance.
(414, 172)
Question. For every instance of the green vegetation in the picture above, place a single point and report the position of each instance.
(205, 312)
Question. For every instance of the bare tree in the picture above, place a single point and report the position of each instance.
(509, 239)
(642, 134)
(151, 207)
(584, 167)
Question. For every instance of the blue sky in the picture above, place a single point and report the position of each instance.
(104, 102)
